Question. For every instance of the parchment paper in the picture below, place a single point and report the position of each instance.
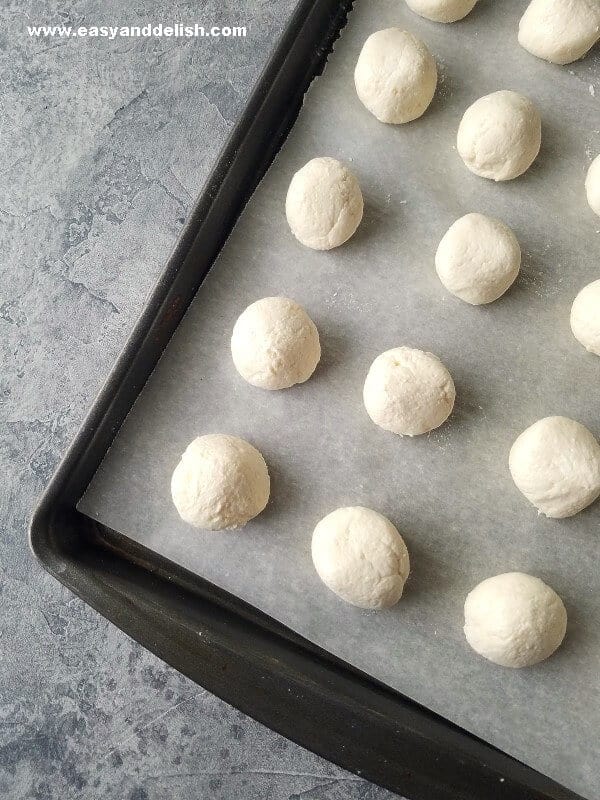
(449, 493)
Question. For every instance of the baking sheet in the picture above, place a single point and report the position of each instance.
(449, 493)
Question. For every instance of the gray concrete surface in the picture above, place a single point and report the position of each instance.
(104, 147)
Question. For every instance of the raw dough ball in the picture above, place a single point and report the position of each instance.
(324, 204)
(592, 185)
(556, 464)
(221, 482)
(442, 10)
(560, 31)
(395, 76)
(500, 135)
(514, 620)
(275, 344)
(478, 259)
(585, 317)
(360, 556)
(408, 391)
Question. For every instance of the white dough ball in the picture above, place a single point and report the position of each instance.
(560, 31)
(585, 317)
(221, 482)
(442, 10)
(408, 392)
(360, 556)
(324, 204)
(514, 620)
(395, 76)
(555, 463)
(500, 135)
(478, 259)
(275, 344)
(592, 185)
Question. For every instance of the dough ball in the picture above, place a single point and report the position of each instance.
(275, 344)
(514, 620)
(478, 259)
(408, 392)
(220, 483)
(442, 10)
(324, 204)
(585, 317)
(592, 185)
(360, 556)
(560, 31)
(395, 76)
(555, 463)
(500, 135)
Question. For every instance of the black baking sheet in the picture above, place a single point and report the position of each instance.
(449, 493)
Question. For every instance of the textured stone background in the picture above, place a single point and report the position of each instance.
(104, 147)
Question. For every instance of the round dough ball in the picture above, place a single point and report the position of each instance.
(275, 344)
(555, 463)
(478, 259)
(514, 620)
(560, 31)
(324, 204)
(500, 135)
(442, 10)
(360, 556)
(395, 76)
(408, 392)
(585, 317)
(592, 185)
(220, 483)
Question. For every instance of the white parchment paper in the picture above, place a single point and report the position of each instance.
(449, 493)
